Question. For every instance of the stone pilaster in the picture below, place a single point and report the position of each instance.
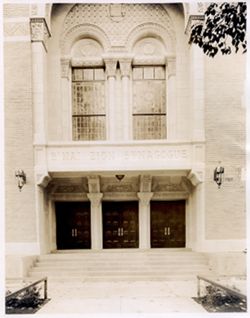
(144, 219)
(96, 220)
(125, 66)
(111, 64)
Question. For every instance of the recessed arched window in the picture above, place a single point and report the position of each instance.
(88, 92)
(149, 90)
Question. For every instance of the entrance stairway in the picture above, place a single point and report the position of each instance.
(121, 265)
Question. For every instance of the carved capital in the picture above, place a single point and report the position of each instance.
(110, 64)
(94, 184)
(145, 197)
(95, 198)
(171, 65)
(39, 31)
(145, 183)
(195, 177)
(193, 20)
(125, 66)
(65, 63)
(43, 180)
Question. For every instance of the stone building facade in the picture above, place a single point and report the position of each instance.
(118, 123)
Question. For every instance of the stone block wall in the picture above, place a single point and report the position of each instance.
(225, 141)
(20, 206)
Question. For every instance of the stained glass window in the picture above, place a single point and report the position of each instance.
(88, 94)
(149, 102)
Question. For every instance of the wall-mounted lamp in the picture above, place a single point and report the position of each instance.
(21, 178)
(218, 175)
(119, 176)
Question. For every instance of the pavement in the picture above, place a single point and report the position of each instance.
(153, 298)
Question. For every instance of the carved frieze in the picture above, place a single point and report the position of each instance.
(145, 183)
(39, 31)
(94, 184)
(16, 29)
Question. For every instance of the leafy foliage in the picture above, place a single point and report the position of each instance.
(30, 298)
(223, 29)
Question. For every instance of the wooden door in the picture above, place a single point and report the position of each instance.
(120, 225)
(168, 224)
(73, 225)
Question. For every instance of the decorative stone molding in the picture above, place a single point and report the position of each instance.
(65, 66)
(125, 66)
(43, 180)
(83, 31)
(39, 31)
(111, 64)
(166, 34)
(145, 183)
(94, 184)
(90, 62)
(195, 177)
(171, 65)
(193, 20)
(149, 60)
(145, 197)
(95, 199)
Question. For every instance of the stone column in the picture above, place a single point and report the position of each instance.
(111, 64)
(96, 220)
(125, 66)
(144, 219)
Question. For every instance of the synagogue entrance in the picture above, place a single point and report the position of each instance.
(73, 225)
(167, 224)
(120, 225)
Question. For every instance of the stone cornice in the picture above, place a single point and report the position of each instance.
(39, 31)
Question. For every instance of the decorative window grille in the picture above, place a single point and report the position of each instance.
(88, 92)
(149, 102)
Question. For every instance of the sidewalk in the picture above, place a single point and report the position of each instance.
(122, 298)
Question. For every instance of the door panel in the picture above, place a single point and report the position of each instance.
(73, 225)
(120, 225)
(168, 224)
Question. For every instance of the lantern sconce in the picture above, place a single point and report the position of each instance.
(219, 174)
(21, 178)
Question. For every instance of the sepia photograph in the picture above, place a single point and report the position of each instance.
(125, 158)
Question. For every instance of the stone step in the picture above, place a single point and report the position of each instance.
(132, 267)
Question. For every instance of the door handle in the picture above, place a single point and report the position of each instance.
(119, 231)
(72, 233)
(165, 231)
(122, 231)
(75, 232)
(169, 230)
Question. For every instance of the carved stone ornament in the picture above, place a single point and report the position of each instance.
(125, 66)
(193, 20)
(43, 180)
(95, 198)
(117, 12)
(195, 177)
(39, 31)
(145, 183)
(94, 184)
(110, 64)
(145, 197)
